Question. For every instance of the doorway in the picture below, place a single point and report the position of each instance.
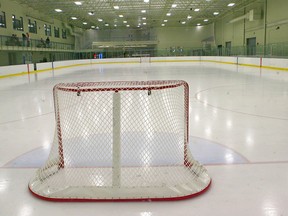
(219, 48)
(251, 46)
(228, 48)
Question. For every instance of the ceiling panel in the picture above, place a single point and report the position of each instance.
(136, 13)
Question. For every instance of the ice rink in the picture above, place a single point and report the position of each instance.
(238, 130)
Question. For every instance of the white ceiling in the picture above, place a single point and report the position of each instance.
(154, 15)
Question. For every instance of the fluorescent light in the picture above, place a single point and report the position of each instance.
(73, 18)
(189, 17)
(78, 3)
(120, 15)
(106, 24)
(128, 25)
(100, 20)
(146, 1)
(143, 11)
(162, 24)
(183, 22)
(115, 25)
(165, 20)
(174, 5)
(144, 23)
(93, 27)
(168, 14)
(91, 13)
(215, 13)
(124, 21)
(197, 9)
(198, 24)
(116, 7)
(231, 4)
(58, 10)
(205, 20)
(143, 18)
(84, 23)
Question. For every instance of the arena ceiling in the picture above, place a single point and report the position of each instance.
(135, 13)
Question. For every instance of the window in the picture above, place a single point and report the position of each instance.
(32, 26)
(2, 19)
(64, 34)
(17, 23)
(56, 32)
(47, 29)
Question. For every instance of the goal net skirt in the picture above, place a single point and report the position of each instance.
(120, 141)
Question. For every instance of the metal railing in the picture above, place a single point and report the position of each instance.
(60, 51)
(18, 43)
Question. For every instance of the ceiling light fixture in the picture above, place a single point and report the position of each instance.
(197, 9)
(143, 11)
(124, 21)
(58, 10)
(146, 1)
(162, 24)
(174, 5)
(168, 14)
(91, 13)
(121, 15)
(73, 18)
(100, 20)
(78, 3)
(189, 17)
(183, 22)
(116, 7)
(216, 13)
(205, 20)
(231, 4)
(84, 23)
(165, 20)
(143, 18)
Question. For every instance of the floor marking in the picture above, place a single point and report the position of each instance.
(239, 112)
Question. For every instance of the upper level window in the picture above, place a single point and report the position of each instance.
(47, 29)
(64, 34)
(56, 32)
(32, 26)
(17, 23)
(2, 19)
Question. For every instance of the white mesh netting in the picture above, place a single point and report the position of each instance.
(120, 141)
(145, 58)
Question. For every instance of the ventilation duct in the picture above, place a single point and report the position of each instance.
(251, 16)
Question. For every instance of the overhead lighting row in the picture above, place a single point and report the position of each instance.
(196, 10)
(142, 11)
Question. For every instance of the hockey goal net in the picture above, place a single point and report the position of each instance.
(120, 141)
(145, 58)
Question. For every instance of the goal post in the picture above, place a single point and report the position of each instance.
(116, 169)
(120, 141)
(145, 58)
